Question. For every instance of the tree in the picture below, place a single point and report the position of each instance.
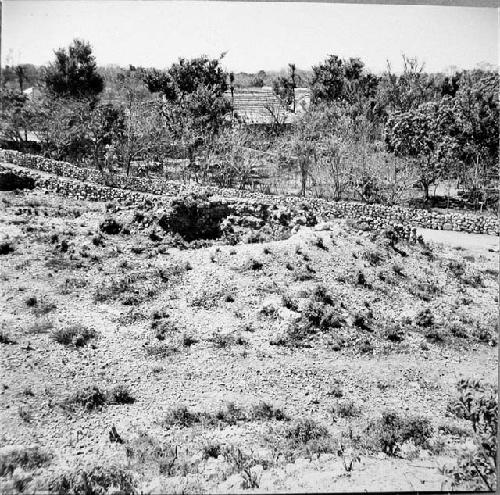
(407, 91)
(422, 134)
(336, 79)
(195, 108)
(284, 87)
(16, 116)
(74, 72)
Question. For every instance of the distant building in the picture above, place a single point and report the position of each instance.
(260, 106)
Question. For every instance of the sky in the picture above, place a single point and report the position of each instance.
(255, 35)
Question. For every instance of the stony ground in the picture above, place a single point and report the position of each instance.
(257, 367)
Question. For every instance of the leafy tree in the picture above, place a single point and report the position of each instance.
(16, 116)
(406, 91)
(195, 108)
(336, 79)
(422, 135)
(74, 72)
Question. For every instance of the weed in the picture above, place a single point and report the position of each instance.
(478, 403)
(5, 338)
(89, 398)
(434, 335)
(160, 350)
(266, 411)
(393, 333)
(189, 340)
(27, 458)
(76, 335)
(289, 303)
(97, 480)
(303, 438)
(6, 247)
(345, 409)
(424, 318)
(43, 308)
(25, 414)
(180, 416)
(163, 329)
(213, 450)
(374, 258)
(319, 243)
(390, 431)
(40, 327)
(119, 395)
(222, 341)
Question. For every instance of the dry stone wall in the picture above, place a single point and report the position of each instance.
(89, 186)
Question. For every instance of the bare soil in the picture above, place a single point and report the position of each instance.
(204, 327)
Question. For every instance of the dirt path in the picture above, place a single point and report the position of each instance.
(477, 243)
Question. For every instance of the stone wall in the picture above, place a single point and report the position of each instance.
(89, 186)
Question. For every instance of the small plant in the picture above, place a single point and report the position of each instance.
(266, 411)
(189, 340)
(180, 416)
(319, 243)
(393, 333)
(163, 328)
(89, 398)
(424, 318)
(25, 414)
(222, 341)
(119, 395)
(6, 247)
(213, 450)
(27, 458)
(5, 338)
(390, 431)
(345, 409)
(266, 250)
(94, 479)
(478, 403)
(76, 335)
(40, 327)
(254, 264)
(43, 308)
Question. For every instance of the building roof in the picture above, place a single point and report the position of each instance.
(262, 106)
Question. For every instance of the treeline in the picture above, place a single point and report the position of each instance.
(364, 136)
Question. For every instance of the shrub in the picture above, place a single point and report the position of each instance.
(266, 411)
(5, 338)
(392, 430)
(374, 258)
(213, 450)
(98, 480)
(89, 398)
(163, 328)
(181, 416)
(303, 438)
(393, 334)
(478, 403)
(6, 247)
(110, 226)
(119, 395)
(27, 458)
(76, 335)
(434, 335)
(424, 318)
(345, 409)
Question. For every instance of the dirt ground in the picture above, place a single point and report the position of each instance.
(205, 327)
